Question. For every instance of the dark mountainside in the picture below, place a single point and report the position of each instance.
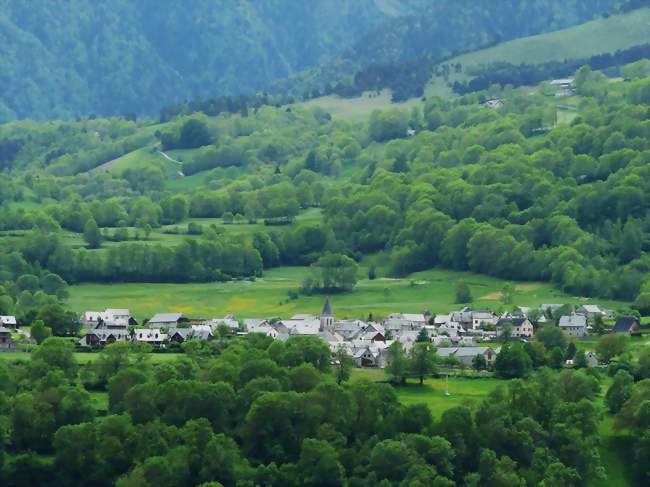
(76, 58)
(63, 59)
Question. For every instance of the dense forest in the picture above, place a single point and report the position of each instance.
(122, 57)
(253, 411)
(65, 59)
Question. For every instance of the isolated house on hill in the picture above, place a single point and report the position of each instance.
(8, 321)
(627, 324)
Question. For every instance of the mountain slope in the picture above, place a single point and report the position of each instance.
(439, 31)
(62, 59)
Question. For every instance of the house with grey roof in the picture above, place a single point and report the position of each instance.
(465, 355)
(627, 324)
(574, 325)
(521, 326)
(167, 320)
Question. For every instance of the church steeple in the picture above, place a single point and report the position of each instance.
(326, 318)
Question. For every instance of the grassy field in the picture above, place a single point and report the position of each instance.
(582, 41)
(359, 107)
(462, 391)
(431, 290)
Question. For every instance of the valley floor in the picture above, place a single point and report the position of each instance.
(432, 290)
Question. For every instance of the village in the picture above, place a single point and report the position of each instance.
(461, 335)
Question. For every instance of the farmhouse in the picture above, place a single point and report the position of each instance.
(109, 318)
(465, 355)
(229, 320)
(180, 335)
(152, 336)
(100, 337)
(574, 325)
(167, 320)
(591, 311)
(627, 324)
(8, 321)
(6, 342)
(404, 321)
(521, 327)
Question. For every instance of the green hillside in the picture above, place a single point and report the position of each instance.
(600, 36)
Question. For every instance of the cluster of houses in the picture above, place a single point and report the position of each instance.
(456, 334)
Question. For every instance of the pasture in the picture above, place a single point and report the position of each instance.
(431, 290)
(462, 391)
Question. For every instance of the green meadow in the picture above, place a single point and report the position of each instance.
(462, 391)
(432, 290)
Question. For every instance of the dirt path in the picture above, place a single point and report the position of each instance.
(171, 159)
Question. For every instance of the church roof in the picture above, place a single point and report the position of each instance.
(327, 308)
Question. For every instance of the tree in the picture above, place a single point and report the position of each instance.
(570, 351)
(92, 235)
(422, 360)
(194, 133)
(40, 332)
(619, 392)
(479, 363)
(342, 364)
(319, 465)
(609, 346)
(335, 272)
(60, 321)
(507, 293)
(512, 361)
(463, 293)
(580, 360)
(397, 363)
(55, 353)
(423, 336)
(552, 337)
(557, 358)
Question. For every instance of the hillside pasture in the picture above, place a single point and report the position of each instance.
(600, 36)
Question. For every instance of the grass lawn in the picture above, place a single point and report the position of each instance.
(462, 391)
(100, 400)
(431, 290)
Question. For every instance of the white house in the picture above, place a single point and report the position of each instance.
(8, 321)
(521, 327)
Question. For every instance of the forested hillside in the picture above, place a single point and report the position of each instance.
(63, 59)
(515, 193)
(75, 58)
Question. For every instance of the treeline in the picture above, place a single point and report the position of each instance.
(503, 74)
(262, 412)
